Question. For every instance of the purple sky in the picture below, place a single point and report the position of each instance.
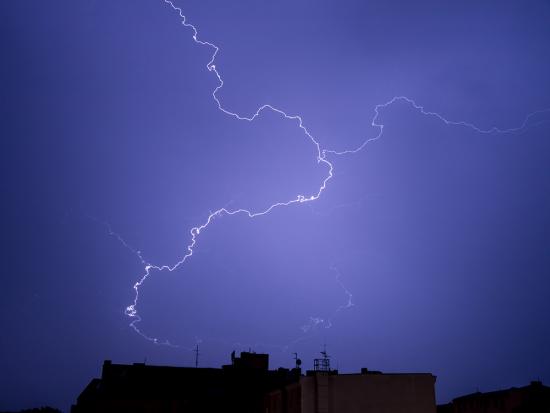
(439, 235)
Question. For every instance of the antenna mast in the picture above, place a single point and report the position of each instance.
(196, 351)
(322, 364)
(297, 361)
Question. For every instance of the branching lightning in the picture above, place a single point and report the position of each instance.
(321, 157)
(315, 322)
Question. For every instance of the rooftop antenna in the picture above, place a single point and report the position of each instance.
(322, 364)
(297, 361)
(196, 351)
(324, 352)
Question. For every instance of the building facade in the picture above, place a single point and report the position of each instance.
(367, 392)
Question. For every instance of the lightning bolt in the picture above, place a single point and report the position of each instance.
(315, 322)
(131, 310)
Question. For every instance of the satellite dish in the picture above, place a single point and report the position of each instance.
(298, 362)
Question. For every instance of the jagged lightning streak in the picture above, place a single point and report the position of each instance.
(419, 108)
(131, 310)
(314, 322)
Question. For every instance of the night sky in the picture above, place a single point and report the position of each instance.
(428, 251)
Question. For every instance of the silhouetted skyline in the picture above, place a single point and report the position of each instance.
(247, 385)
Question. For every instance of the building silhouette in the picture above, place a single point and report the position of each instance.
(534, 398)
(248, 386)
(239, 387)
